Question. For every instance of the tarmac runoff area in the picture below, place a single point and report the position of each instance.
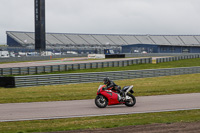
(84, 108)
(61, 62)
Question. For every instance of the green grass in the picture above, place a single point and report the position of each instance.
(143, 87)
(99, 122)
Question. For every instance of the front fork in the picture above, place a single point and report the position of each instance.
(102, 99)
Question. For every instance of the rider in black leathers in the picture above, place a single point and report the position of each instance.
(115, 87)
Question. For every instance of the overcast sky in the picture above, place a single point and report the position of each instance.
(104, 16)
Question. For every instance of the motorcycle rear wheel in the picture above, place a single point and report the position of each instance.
(131, 102)
(101, 101)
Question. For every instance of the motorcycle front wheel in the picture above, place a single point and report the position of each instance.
(130, 102)
(101, 101)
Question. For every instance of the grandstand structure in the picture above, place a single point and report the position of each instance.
(96, 43)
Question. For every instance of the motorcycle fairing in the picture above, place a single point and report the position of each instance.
(111, 96)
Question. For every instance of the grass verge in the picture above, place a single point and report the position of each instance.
(143, 87)
(99, 122)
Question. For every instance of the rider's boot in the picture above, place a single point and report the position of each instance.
(122, 95)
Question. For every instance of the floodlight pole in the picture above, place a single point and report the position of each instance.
(40, 35)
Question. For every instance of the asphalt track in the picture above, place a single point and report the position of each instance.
(83, 108)
(61, 62)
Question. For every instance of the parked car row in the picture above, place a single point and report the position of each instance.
(7, 54)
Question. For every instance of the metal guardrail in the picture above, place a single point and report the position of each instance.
(66, 67)
(156, 54)
(167, 59)
(53, 79)
(54, 68)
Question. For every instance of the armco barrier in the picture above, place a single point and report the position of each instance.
(53, 79)
(128, 55)
(66, 67)
(167, 59)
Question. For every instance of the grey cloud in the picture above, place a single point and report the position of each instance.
(104, 16)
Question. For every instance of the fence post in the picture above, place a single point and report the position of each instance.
(136, 61)
(10, 71)
(79, 66)
(65, 67)
(160, 60)
(150, 61)
(140, 60)
(59, 68)
(28, 70)
(51, 69)
(20, 72)
(96, 64)
(44, 69)
(36, 69)
(1, 71)
(145, 61)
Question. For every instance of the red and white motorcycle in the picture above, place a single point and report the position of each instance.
(110, 97)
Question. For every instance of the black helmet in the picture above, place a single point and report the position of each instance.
(106, 80)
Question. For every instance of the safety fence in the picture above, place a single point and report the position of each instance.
(66, 67)
(53, 79)
(129, 55)
(167, 59)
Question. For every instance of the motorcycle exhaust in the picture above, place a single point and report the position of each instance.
(128, 89)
